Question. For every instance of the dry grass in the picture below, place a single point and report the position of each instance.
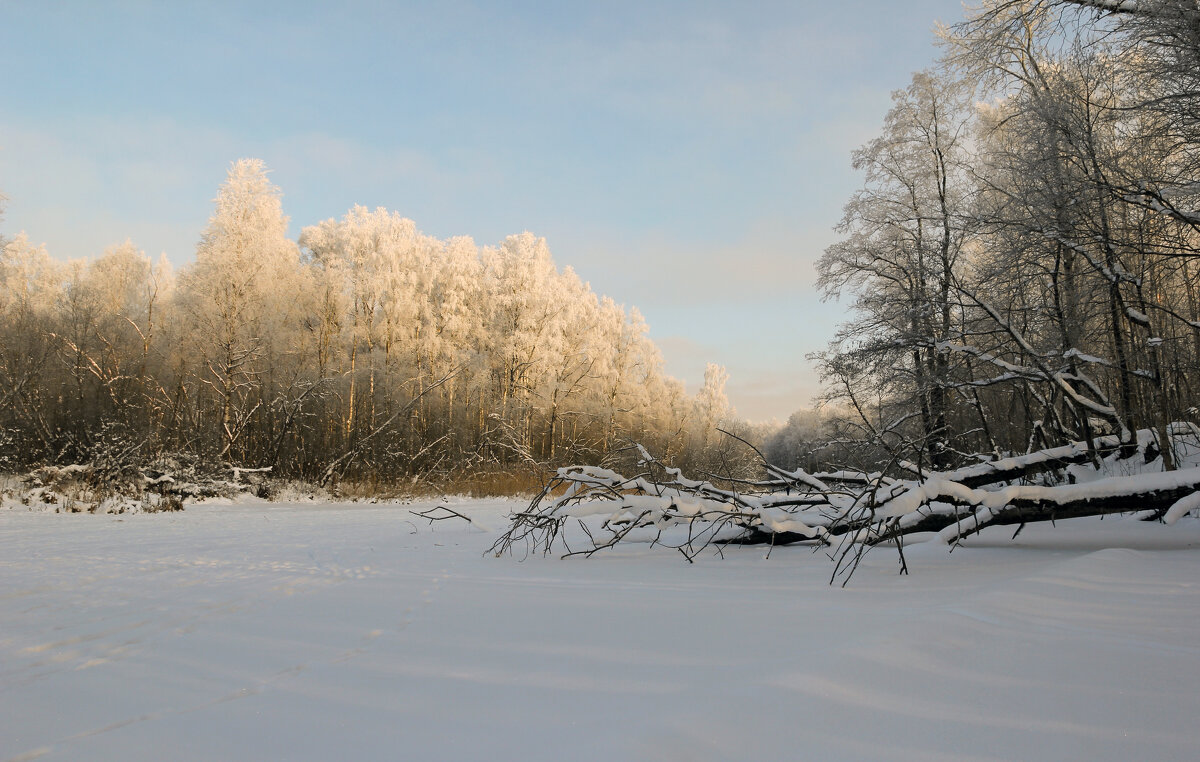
(476, 483)
(500, 483)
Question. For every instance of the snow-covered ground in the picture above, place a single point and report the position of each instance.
(354, 631)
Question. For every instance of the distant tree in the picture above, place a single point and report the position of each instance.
(798, 444)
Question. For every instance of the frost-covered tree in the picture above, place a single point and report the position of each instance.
(240, 298)
(800, 443)
(712, 405)
(129, 294)
(369, 350)
(360, 258)
(1075, 153)
(903, 236)
(31, 285)
(457, 333)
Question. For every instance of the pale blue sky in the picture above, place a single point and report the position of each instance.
(689, 158)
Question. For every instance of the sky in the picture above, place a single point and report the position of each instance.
(687, 158)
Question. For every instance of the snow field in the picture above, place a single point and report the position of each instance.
(316, 631)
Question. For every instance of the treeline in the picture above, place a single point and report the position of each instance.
(1024, 255)
(366, 350)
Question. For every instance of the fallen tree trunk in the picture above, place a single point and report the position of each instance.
(662, 507)
(1156, 492)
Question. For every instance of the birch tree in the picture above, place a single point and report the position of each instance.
(240, 298)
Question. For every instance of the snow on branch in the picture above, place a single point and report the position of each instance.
(1109, 6)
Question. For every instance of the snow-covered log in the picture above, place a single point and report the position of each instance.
(584, 509)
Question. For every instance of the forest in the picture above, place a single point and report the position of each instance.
(365, 350)
(1023, 253)
(1023, 257)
